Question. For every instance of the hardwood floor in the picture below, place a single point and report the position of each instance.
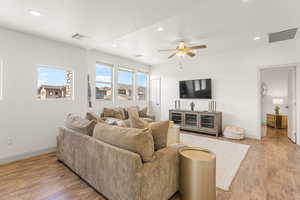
(270, 171)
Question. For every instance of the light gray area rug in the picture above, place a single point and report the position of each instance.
(229, 156)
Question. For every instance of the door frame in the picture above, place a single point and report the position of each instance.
(283, 66)
(150, 95)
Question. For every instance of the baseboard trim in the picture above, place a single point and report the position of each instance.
(26, 155)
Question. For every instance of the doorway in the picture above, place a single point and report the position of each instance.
(155, 97)
(278, 101)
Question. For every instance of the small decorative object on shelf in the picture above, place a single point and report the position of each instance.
(277, 103)
(177, 104)
(192, 106)
(212, 106)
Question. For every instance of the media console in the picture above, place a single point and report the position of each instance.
(198, 121)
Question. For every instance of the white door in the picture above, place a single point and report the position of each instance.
(155, 101)
(292, 105)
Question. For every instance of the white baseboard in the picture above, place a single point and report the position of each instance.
(26, 155)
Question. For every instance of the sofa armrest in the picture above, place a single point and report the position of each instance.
(111, 170)
(160, 178)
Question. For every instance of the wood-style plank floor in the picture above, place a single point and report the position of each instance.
(270, 171)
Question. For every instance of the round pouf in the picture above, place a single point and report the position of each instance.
(197, 174)
(234, 132)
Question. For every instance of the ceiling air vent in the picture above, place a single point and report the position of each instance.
(283, 35)
(78, 36)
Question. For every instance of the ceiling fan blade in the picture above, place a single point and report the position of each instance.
(171, 56)
(162, 50)
(196, 47)
(190, 54)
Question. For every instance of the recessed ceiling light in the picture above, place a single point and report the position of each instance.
(34, 13)
(114, 45)
(257, 38)
(160, 29)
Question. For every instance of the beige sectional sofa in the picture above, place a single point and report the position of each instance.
(119, 173)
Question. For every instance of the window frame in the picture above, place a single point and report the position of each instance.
(147, 85)
(103, 82)
(125, 69)
(72, 98)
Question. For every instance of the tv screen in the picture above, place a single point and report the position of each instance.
(195, 89)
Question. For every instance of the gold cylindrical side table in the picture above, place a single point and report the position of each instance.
(197, 174)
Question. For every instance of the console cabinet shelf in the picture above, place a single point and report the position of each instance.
(198, 121)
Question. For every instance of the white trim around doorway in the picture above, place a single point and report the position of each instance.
(277, 67)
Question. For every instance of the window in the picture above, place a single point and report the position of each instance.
(141, 86)
(104, 81)
(54, 83)
(125, 84)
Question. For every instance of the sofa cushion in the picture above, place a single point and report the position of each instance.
(139, 141)
(80, 125)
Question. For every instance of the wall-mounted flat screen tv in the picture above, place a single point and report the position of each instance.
(195, 89)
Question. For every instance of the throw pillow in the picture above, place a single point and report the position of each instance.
(159, 133)
(139, 141)
(91, 116)
(159, 130)
(133, 112)
(136, 122)
(78, 124)
(107, 112)
(143, 112)
(121, 111)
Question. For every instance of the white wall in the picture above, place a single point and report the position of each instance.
(32, 124)
(235, 81)
(277, 87)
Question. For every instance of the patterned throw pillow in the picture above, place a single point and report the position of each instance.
(107, 112)
(117, 113)
(143, 112)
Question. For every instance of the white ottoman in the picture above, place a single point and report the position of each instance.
(233, 132)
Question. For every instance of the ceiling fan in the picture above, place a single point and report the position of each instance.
(182, 50)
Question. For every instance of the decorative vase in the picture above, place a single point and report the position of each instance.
(177, 104)
(277, 108)
(192, 106)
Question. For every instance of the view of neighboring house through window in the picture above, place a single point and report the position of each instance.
(141, 86)
(54, 83)
(125, 84)
(104, 81)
